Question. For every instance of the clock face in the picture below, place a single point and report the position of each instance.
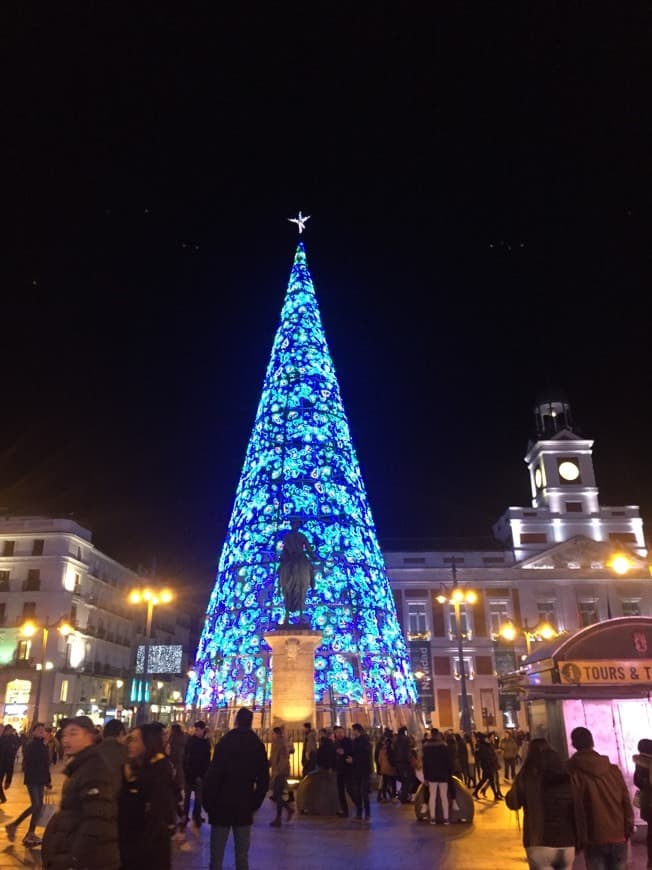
(569, 470)
(538, 478)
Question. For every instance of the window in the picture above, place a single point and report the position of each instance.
(37, 547)
(79, 554)
(417, 623)
(493, 560)
(73, 614)
(63, 691)
(546, 612)
(499, 614)
(414, 560)
(23, 650)
(573, 507)
(632, 607)
(8, 548)
(5, 585)
(77, 586)
(464, 622)
(588, 612)
(623, 537)
(33, 582)
(29, 610)
(534, 538)
(469, 673)
(3, 612)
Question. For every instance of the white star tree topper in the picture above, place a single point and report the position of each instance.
(300, 221)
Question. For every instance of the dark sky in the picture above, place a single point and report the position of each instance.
(479, 181)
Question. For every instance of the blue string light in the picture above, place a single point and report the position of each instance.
(300, 462)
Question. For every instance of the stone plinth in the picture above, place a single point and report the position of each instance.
(293, 674)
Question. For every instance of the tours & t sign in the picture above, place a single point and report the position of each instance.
(605, 672)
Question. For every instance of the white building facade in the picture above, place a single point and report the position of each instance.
(52, 574)
(553, 567)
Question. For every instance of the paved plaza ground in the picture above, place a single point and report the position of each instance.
(393, 841)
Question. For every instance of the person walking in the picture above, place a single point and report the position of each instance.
(234, 789)
(485, 756)
(437, 772)
(360, 762)
(402, 749)
(279, 762)
(386, 769)
(509, 749)
(542, 788)
(343, 750)
(113, 751)
(196, 759)
(147, 801)
(470, 754)
(84, 832)
(606, 819)
(643, 782)
(8, 749)
(36, 769)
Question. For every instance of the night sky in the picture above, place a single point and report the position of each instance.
(479, 184)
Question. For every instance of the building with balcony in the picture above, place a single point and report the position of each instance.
(51, 573)
(550, 567)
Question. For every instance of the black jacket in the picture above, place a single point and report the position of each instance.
(84, 833)
(237, 779)
(346, 745)
(549, 807)
(114, 755)
(196, 758)
(437, 762)
(147, 814)
(8, 749)
(361, 754)
(36, 762)
(326, 757)
(485, 756)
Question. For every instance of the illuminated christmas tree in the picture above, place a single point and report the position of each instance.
(300, 463)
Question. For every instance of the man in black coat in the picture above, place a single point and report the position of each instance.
(437, 772)
(84, 833)
(234, 788)
(8, 747)
(36, 769)
(360, 762)
(196, 758)
(486, 757)
(343, 750)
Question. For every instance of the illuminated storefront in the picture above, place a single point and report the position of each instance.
(600, 678)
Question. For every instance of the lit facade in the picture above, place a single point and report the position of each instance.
(50, 571)
(552, 566)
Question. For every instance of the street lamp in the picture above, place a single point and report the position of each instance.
(152, 598)
(540, 631)
(457, 597)
(29, 629)
(620, 563)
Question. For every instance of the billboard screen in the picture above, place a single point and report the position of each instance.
(163, 659)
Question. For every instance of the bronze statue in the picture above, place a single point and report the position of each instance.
(296, 571)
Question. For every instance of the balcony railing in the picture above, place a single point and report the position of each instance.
(31, 585)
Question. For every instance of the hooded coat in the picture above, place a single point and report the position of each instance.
(643, 782)
(236, 780)
(606, 814)
(549, 803)
(84, 833)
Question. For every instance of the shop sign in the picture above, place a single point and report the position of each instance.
(605, 672)
(18, 692)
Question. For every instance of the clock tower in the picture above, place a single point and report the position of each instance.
(564, 492)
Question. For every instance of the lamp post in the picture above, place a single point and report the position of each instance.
(541, 631)
(152, 598)
(29, 629)
(457, 597)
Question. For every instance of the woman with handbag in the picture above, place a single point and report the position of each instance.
(643, 782)
(36, 769)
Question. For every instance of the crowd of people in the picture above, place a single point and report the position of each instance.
(128, 796)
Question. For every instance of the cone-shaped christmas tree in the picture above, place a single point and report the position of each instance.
(300, 463)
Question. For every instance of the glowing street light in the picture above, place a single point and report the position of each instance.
(541, 631)
(458, 596)
(152, 598)
(30, 629)
(621, 563)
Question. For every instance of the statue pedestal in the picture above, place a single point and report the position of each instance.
(293, 674)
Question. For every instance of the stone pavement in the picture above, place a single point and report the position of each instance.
(393, 841)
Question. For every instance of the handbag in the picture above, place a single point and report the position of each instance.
(48, 810)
